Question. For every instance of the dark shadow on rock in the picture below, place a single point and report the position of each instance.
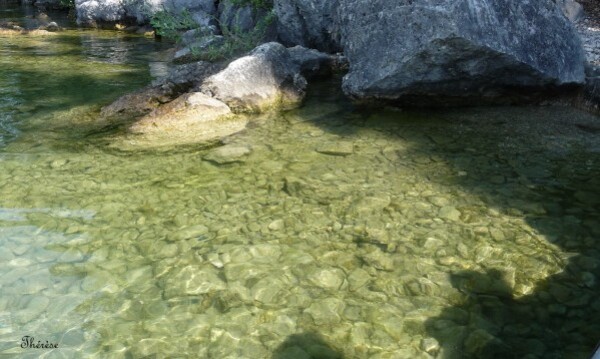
(307, 345)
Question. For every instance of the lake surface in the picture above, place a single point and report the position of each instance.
(344, 233)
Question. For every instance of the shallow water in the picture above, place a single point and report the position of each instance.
(345, 232)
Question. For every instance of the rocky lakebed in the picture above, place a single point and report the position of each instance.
(307, 225)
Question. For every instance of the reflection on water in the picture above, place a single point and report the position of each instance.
(344, 233)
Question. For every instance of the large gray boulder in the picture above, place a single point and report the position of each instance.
(89, 12)
(266, 78)
(454, 51)
(98, 11)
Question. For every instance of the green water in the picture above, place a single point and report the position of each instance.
(344, 232)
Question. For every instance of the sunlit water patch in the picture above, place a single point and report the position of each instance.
(341, 233)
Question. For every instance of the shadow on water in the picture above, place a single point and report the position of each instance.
(548, 176)
(307, 345)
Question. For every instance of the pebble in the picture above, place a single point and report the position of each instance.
(326, 311)
(276, 225)
(6, 255)
(193, 280)
(430, 345)
(330, 279)
(268, 291)
(58, 163)
(337, 148)
(450, 213)
(20, 262)
(196, 231)
(358, 278)
(378, 260)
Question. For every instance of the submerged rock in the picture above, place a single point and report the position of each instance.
(192, 280)
(191, 118)
(338, 148)
(228, 154)
(264, 79)
(447, 52)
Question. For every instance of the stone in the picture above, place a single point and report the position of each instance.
(150, 347)
(497, 234)
(140, 102)
(378, 260)
(430, 345)
(51, 26)
(329, 279)
(228, 154)
(179, 79)
(265, 79)
(136, 276)
(450, 213)
(197, 231)
(93, 12)
(336, 148)
(90, 11)
(6, 255)
(448, 52)
(358, 278)
(326, 311)
(269, 291)
(422, 286)
(191, 118)
(192, 280)
(276, 225)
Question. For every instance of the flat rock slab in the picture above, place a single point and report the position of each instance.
(193, 118)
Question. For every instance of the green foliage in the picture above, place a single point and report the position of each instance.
(237, 41)
(169, 24)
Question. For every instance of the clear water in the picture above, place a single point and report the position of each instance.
(345, 233)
